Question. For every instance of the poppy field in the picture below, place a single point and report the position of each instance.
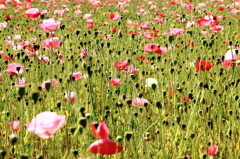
(114, 79)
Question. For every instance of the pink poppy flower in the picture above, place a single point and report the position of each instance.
(14, 125)
(114, 17)
(217, 28)
(115, 82)
(176, 32)
(161, 50)
(20, 81)
(231, 58)
(54, 83)
(144, 25)
(131, 69)
(59, 12)
(50, 25)
(46, 124)
(43, 59)
(105, 23)
(15, 69)
(90, 23)
(52, 42)
(9, 43)
(87, 16)
(3, 25)
(150, 47)
(33, 13)
(83, 53)
(139, 102)
(106, 147)
(212, 150)
(76, 75)
(70, 96)
(121, 65)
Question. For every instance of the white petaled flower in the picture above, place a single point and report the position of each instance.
(150, 82)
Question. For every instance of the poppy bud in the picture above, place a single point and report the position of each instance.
(23, 156)
(170, 39)
(35, 96)
(83, 122)
(75, 152)
(21, 90)
(204, 156)
(128, 135)
(135, 114)
(184, 126)
(62, 27)
(82, 109)
(47, 85)
(158, 104)
(3, 154)
(13, 138)
(178, 119)
(236, 97)
(154, 86)
(72, 130)
(129, 101)
(192, 135)
(77, 32)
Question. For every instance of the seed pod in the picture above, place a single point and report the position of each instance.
(128, 135)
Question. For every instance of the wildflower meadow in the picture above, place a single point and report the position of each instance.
(119, 79)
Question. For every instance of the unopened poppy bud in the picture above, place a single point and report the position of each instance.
(236, 97)
(75, 152)
(204, 156)
(170, 39)
(35, 96)
(154, 86)
(158, 104)
(62, 27)
(135, 114)
(178, 119)
(184, 126)
(83, 122)
(23, 156)
(82, 109)
(3, 154)
(145, 104)
(129, 101)
(21, 90)
(119, 138)
(128, 135)
(192, 135)
(119, 104)
(72, 130)
(13, 138)
(77, 32)
(47, 85)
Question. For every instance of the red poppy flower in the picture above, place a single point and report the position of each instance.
(202, 65)
(141, 58)
(121, 65)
